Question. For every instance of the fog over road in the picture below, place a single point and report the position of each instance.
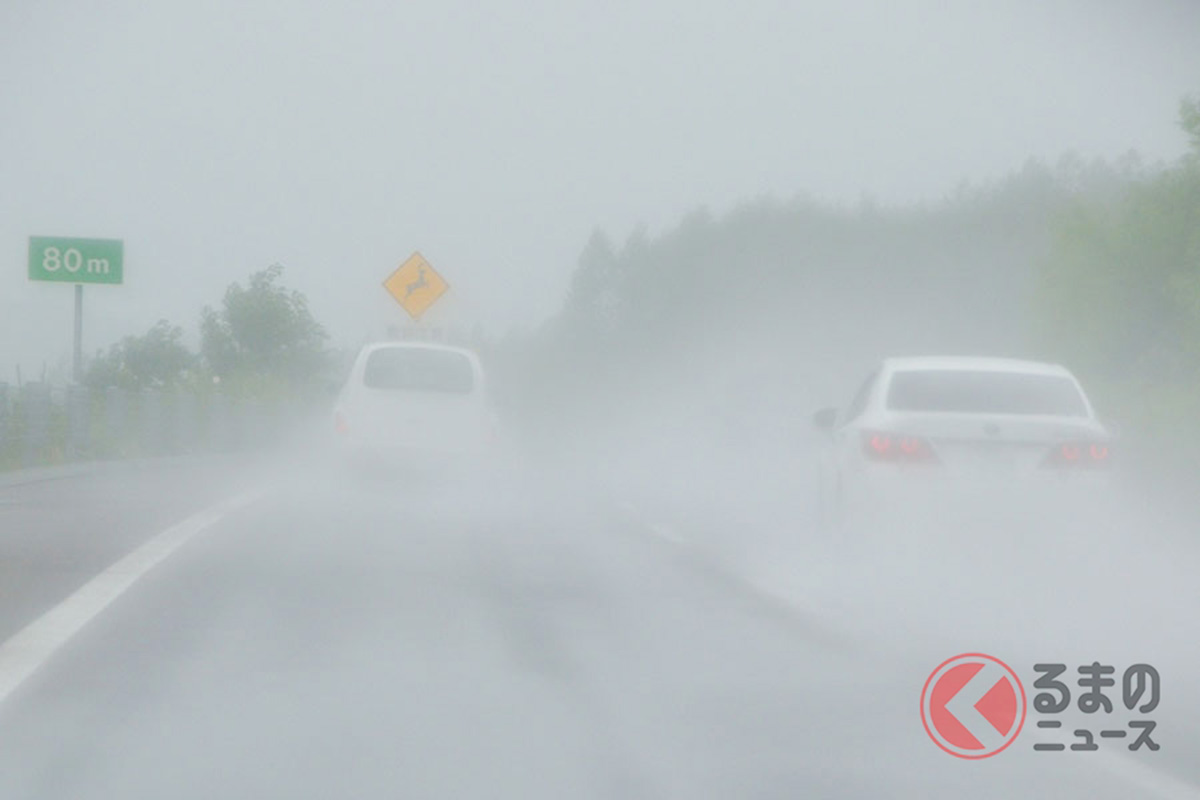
(540, 635)
(602, 400)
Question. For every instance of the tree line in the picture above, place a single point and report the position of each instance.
(1095, 263)
(1118, 292)
(261, 341)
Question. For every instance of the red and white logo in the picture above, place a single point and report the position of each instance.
(973, 706)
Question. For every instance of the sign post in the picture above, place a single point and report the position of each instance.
(77, 261)
(77, 357)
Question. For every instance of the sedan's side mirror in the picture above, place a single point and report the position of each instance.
(825, 419)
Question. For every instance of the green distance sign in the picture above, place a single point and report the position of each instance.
(55, 258)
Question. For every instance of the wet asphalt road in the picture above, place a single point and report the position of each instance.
(525, 637)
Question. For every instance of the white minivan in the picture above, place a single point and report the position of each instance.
(415, 403)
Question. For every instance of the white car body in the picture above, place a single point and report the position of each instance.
(417, 402)
(940, 424)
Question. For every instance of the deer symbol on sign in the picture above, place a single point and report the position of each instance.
(419, 283)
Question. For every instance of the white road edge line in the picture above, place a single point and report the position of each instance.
(1151, 782)
(23, 654)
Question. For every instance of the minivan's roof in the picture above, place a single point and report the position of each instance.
(973, 363)
(358, 371)
(408, 343)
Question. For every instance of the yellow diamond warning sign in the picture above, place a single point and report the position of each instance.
(415, 285)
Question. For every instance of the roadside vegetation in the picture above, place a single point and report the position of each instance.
(263, 362)
(260, 342)
(1118, 293)
(776, 308)
(1095, 264)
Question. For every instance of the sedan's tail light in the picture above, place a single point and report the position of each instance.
(897, 447)
(1078, 455)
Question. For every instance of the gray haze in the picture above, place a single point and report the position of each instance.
(216, 138)
(696, 529)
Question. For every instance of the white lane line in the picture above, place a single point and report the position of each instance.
(668, 533)
(664, 531)
(1149, 781)
(28, 650)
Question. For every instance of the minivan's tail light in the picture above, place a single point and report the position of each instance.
(339, 423)
(896, 447)
(1072, 455)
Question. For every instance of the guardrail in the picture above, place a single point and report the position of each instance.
(42, 424)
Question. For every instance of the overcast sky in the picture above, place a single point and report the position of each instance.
(218, 137)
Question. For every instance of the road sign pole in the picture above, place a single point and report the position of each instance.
(78, 361)
(78, 261)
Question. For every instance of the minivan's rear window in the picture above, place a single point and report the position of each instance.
(419, 369)
(983, 392)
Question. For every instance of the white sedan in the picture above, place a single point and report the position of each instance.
(938, 427)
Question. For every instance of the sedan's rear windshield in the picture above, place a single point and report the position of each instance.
(419, 369)
(982, 392)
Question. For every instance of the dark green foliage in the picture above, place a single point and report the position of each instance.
(263, 340)
(157, 359)
(1119, 293)
(777, 295)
